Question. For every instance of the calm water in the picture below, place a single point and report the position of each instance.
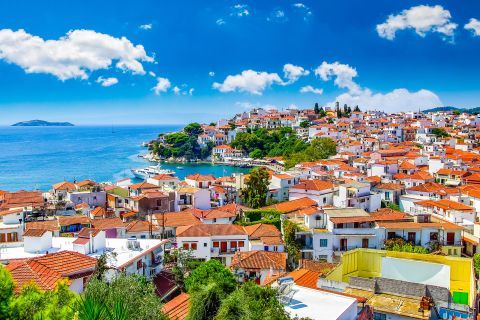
(37, 157)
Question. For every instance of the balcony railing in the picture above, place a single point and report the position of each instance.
(348, 248)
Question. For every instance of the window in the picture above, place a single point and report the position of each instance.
(324, 200)
(379, 316)
(139, 264)
(241, 244)
(433, 236)
(193, 246)
(391, 235)
(216, 244)
(265, 248)
(204, 244)
(323, 243)
(186, 246)
(233, 244)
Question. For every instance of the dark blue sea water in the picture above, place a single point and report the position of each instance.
(37, 157)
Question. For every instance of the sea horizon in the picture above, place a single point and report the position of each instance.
(38, 157)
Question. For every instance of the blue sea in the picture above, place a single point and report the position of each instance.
(37, 157)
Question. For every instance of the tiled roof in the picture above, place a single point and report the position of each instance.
(305, 278)
(64, 185)
(35, 233)
(316, 185)
(390, 186)
(217, 213)
(200, 177)
(260, 260)
(98, 212)
(107, 223)
(257, 231)
(293, 205)
(80, 219)
(50, 225)
(175, 219)
(177, 308)
(47, 270)
(140, 226)
(207, 230)
(444, 204)
(22, 199)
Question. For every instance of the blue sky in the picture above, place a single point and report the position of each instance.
(390, 55)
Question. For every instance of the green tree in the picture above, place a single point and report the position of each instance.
(205, 302)
(252, 302)
(34, 303)
(476, 263)
(210, 271)
(292, 245)
(356, 109)
(316, 109)
(138, 297)
(193, 129)
(440, 133)
(322, 113)
(305, 124)
(6, 292)
(256, 154)
(255, 192)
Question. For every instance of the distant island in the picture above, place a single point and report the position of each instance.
(42, 123)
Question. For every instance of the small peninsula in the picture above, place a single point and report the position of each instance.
(42, 123)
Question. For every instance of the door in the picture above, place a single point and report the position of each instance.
(343, 244)
(364, 243)
(412, 237)
(223, 246)
(450, 238)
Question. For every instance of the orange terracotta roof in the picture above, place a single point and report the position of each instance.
(47, 270)
(98, 212)
(305, 278)
(176, 219)
(50, 225)
(107, 223)
(207, 230)
(256, 231)
(200, 177)
(178, 307)
(140, 226)
(316, 185)
(64, 185)
(260, 260)
(293, 205)
(80, 219)
(35, 233)
(445, 204)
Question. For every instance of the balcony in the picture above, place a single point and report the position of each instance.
(217, 252)
(354, 231)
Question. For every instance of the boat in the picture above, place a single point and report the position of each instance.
(180, 168)
(150, 171)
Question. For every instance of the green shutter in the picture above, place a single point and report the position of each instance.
(460, 297)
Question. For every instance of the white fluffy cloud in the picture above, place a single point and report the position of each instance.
(310, 89)
(248, 81)
(395, 100)
(422, 19)
(74, 55)
(147, 26)
(249, 105)
(211, 73)
(293, 73)
(190, 91)
(163, 84)
(107, 82)
(342, 73)
(474, 26)
(220, 22)
(176, 90)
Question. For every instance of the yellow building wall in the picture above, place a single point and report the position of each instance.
(367, 263)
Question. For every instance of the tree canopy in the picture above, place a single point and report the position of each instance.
(256, 188)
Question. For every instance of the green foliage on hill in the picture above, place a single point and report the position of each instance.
(283, 142)
(182, 144)
(440, 133)
(267, 216)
